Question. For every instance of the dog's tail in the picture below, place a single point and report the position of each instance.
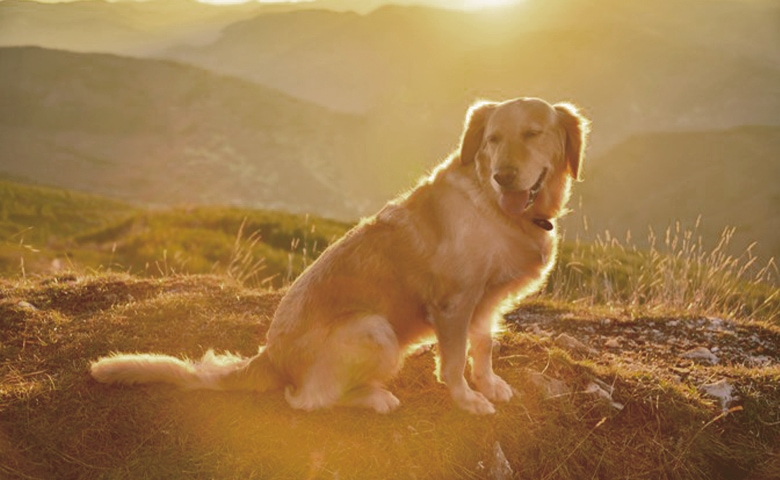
(212, 372)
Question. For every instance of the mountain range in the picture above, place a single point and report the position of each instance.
(706, 181)
(636, 66)
(132, 27)
(333, 110)
(157, 132)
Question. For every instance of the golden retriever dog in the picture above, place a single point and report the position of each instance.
(448, 258)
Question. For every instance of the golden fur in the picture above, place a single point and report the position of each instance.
(448, 258)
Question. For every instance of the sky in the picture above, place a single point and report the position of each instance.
(465, 4)
(453, 3)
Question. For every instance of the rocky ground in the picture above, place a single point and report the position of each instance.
(692, 350)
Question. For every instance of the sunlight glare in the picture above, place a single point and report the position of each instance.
(484, 4)
(223, 2)
(237, 2)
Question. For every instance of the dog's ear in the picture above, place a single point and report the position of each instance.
(577, 128)
(474, 129)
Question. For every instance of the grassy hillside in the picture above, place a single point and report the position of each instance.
(37, 223)
(47, 230)
(258, 245)
(35, 214)
(598, 395)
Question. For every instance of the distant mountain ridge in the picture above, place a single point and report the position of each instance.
(635, 67)
(136, 27)
(635, 64)
(653, 180)
(155, 131)
(128, 28)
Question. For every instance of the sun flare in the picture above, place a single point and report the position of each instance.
(480, 4)
(466, 4)
(235, 2)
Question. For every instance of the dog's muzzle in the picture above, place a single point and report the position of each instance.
(513, 201)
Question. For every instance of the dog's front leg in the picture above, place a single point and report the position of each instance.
(486, 381)
(452, 324)
(481, 343)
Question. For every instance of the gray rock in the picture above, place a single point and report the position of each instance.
(702, 354)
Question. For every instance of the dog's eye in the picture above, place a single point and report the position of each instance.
(493, 139)
(529, 134)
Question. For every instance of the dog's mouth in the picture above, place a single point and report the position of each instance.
(515, 202)
(536, 187)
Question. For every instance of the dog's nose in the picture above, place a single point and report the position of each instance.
(505, 176)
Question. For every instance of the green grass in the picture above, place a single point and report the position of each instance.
(675, 275)
(36, 215)
(46, 230)
(209, 239)
(83, 233)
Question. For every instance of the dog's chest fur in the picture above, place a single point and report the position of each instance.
(465, 242)
(494, 249)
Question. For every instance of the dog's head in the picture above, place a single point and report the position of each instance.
(522, 146)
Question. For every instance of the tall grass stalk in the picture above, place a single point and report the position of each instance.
(297, 261)
(676, 274)
(243, 266)
(22, 246)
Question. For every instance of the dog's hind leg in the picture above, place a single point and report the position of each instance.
(319, 389)
(353, 363)
(371, 396)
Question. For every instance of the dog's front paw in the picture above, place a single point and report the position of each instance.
(473, 402)
(494, 388)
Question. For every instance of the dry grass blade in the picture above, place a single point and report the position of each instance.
(244, 266)
(678, 276)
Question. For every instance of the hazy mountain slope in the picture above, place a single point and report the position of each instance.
(115, 27)
(669, 62)
(342, 60)
(728, 177)
(160, 132)
(135, 27)
(271, 35)
(634, 67)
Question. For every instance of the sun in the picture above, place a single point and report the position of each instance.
(235, 2)
(480, 4)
